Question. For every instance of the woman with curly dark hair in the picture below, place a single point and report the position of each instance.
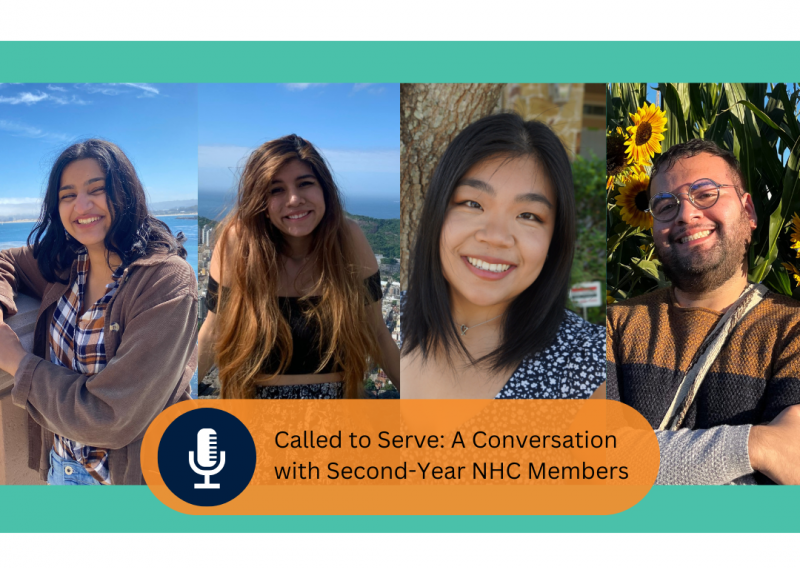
(115, 338)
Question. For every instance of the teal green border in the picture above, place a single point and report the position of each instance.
(664, 509)
(437, 62)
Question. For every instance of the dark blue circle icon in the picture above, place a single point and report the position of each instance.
(207, 457)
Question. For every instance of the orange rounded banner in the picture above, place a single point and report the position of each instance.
(430, 457)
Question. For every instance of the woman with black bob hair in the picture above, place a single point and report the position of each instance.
(484, 313)
(115, 338)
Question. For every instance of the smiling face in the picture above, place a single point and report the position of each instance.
(703, 248)
(496, 232)
(296, 201)
(82, 203)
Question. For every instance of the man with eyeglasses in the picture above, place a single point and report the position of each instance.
(712, 362)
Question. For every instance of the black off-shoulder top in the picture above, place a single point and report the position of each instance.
(306, 348)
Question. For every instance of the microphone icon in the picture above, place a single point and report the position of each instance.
(207, 457)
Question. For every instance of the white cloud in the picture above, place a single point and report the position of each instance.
(114, 89)
(56, 88)
(24, 98)
(19, 207)
(302, 86)
(73, 100)
(27, 131)
(148, 90)
(369, 88)
(94, 88)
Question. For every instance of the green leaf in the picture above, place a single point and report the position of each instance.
(789, 109)
(646, 268)
(778, 279)
(676, 121)
(788, 140)
(789, 203)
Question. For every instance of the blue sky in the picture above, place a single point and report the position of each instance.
(154, 124)
(356, 127)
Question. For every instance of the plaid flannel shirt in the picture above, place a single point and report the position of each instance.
(77, 343)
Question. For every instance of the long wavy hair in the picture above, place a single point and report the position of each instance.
(134, 232)
(250, 324)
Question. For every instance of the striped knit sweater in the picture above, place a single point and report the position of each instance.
(651, 345)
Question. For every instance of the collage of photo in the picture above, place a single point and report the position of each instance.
(169, 242)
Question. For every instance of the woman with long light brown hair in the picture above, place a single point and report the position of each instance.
(294, 287)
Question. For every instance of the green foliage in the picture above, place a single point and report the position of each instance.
(758, 122)
(203, 221)
(590, 258)
(383, 235)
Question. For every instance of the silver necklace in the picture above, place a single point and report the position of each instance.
(465, 329)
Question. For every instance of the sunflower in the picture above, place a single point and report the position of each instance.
(645, 136)
(795, 236)
(615, 152)
(609, 298)
(790, 268)
(633, 200)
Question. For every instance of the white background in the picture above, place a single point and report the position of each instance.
(296, 20)
(402, 550)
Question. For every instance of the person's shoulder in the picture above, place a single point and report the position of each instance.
(579, 335)
(640, 306)
(657, 297)
(165, 271)
(784, 310)
(781, 302)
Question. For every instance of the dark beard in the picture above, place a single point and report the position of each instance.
(706, 272)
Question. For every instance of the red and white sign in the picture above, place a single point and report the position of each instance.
(586, 294)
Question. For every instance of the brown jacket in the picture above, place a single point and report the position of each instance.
(151, 346)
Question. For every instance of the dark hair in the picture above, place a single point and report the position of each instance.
(692, 148)
(533, 318)
(134, 233)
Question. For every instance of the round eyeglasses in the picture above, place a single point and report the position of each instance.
(702, 194)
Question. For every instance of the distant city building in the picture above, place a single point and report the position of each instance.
(208, 234)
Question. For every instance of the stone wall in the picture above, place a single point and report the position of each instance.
(14, 420)
(560, 106)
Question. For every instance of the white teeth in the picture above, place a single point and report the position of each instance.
(696, 236)
(299, 215)
(87, 221)
(477, 263)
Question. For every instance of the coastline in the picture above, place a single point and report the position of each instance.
(36, 220)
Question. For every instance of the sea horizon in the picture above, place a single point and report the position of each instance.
(15, 234)
(214, 205)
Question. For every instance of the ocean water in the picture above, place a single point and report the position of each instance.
(215, 205)
(16, 234)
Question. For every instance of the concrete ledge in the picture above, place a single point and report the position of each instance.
(14, 420)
